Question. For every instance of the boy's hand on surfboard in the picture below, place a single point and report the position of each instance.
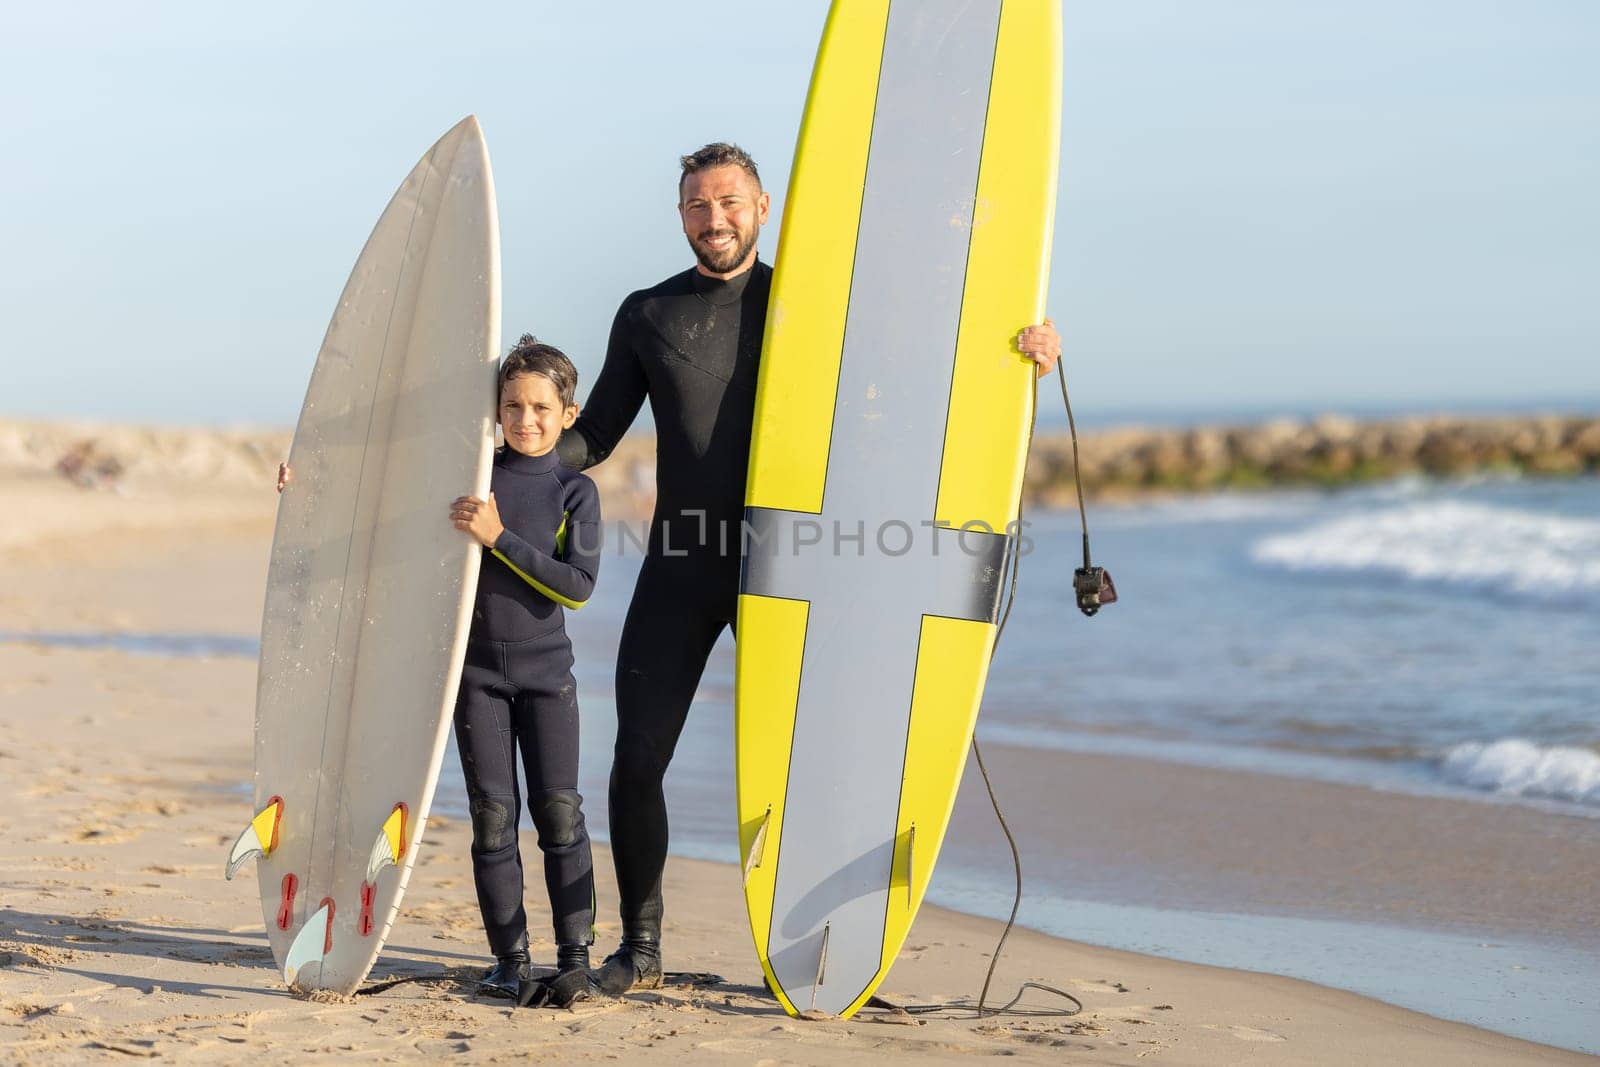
(480, 518)
(284, 474)
(1041, 344)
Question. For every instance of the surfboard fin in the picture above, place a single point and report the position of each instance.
(387, 850)
(822, 965)
(260, 836)
(911, 870)
(313, 942)
(390, 846)
(757, 846)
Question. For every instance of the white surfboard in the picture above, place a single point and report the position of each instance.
(370, 587)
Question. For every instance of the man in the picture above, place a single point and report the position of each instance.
(691, 346)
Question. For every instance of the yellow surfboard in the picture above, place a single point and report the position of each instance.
(890, 436)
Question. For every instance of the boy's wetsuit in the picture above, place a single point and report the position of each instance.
(690, 345)
(517, 691)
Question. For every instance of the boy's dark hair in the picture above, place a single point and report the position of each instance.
(532, 356)
(717, 154)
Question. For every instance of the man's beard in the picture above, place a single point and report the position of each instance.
(723, 262)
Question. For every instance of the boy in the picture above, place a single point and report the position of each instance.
(540, 529)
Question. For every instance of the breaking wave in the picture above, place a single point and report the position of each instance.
(1515, 767)
(1525, 553)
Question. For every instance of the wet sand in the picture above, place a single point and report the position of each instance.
(1165, 835)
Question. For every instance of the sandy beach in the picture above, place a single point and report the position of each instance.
(121, 774)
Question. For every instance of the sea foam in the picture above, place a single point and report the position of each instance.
(1525, 553)
(1517, 767)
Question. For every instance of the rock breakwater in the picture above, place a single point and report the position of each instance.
(1326, 451)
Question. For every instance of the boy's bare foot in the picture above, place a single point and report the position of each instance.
(284, 474)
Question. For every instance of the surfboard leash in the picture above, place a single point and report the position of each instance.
(1092, 585)
(455, 977)
(1093, 589)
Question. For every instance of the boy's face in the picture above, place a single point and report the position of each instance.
(531, 414)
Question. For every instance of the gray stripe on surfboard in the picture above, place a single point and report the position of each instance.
(838, 836)
(944, 570)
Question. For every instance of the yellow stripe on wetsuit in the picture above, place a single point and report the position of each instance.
(561, 546)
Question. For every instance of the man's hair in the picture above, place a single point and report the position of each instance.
(532, 356)
(717, 154)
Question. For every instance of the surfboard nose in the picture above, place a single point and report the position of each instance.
(467, 127)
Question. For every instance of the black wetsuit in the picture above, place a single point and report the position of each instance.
(690, 345)
(517, 691)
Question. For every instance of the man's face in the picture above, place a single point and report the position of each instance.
(723, 210)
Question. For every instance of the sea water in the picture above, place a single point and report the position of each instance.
(1442, 633)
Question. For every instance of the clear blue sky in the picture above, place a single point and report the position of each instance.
(1263, 203)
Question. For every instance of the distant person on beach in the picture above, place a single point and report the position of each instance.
(691, 346)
